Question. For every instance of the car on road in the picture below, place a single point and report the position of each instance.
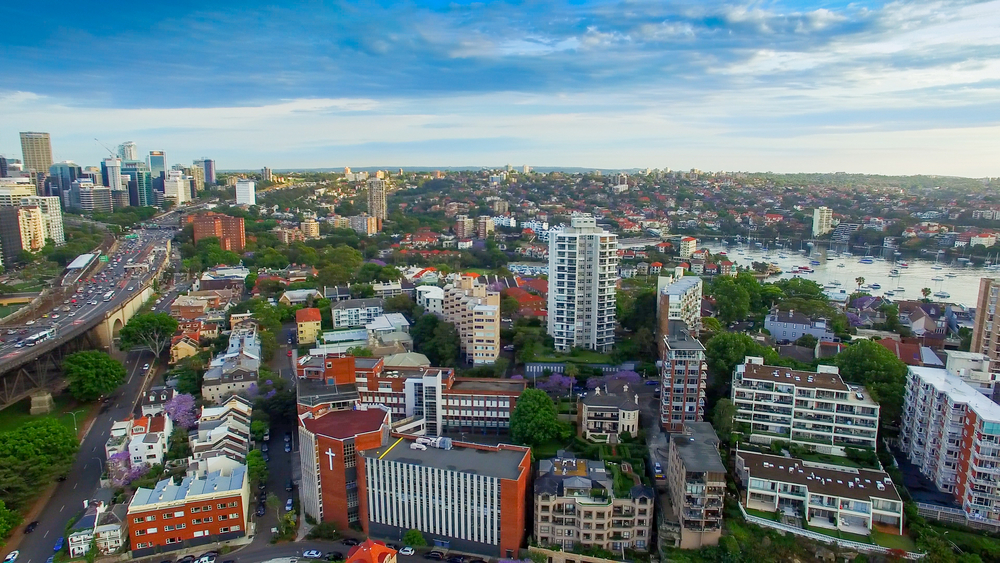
(456, 559)
(289, 485)
(263, 448)
(11, 557)
(288, 436)
(406, 551)
(260, 510)
(434, 555)
(334, 556)
(51, 559)
(267, 458)
(508, 348)
(349, 542)
(145, 366)
(59, 544)
(208, 557)
(31, 527)
(288, 505)
(312, 554)
(288, 447)
(651, 381)
(289, 353)
(32, 321)
(657, 470)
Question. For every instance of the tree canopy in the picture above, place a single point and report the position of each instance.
(884, 375)
(32, 456)
(534, 420)
(732, 300)
(150, 330)
(92, 374)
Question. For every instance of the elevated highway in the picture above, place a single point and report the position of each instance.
(91, 323)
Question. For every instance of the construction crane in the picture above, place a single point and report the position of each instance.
(111, 152)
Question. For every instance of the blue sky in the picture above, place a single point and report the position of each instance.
(901, 87)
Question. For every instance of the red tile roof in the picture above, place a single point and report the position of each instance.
(371, 551)
(341, 425)
(310, 314)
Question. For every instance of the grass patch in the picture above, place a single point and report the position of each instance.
(548, 449)
(8, 309)
(830, 459)
(577, 357)
(773, 516)
(893, 541)
(19, 413)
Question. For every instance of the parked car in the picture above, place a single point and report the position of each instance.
(312, 554)
(288, 505)
(289, 485)
(145, 366)
(59, 544)
(263, 447)
(350, 542)
(657, 470)
(288, 447)
(406, 551)
(289, 353)
(288, 436)
(334, 556)
(435, 555)
(11, 557)
(31, 527)
(261, 510)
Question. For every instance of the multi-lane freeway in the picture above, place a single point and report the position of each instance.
(90, 302)
(83, 480)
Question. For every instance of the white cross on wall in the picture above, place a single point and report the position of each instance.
(331, 455)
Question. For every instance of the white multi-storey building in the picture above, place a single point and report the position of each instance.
(679, 299)
(52, 213)
(583, 266)
(814, 410)
(951, 432)
(822, 221)
(176, 187)
(246, 192)
(356, 312)
(475, 312)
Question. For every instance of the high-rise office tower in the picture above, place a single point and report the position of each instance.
(208, 165)
(376, 198)
(583, 269)
(246, 192)
(36, 148)
(3, 166)
(111, 170)
(63, 174)
(128, 151)
(266, 174)
(158, 169)
(140, 184)
(986, 336)
(177, 187)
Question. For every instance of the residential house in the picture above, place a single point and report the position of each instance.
(605, 417)
(234, 370)
(308, 324)
(183, 346)
(102, 524)
(154, 399)
(298, 296)
(222, 431)
(789, 326)
(912, 353)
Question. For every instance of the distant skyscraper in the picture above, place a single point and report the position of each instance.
(140, 185)
(266, 174)
(246, 192)
(822, 221)
(111, 170)
(128, 151)
(3, 166)
(63, 174)
(208, 165)
(376, 198)
(177, 187)
(158, 168)
(583, 270)
(36, 148)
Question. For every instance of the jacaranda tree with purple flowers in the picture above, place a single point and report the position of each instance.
(182, 410)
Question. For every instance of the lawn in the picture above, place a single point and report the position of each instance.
(578, 357)
(8, 309)
(19, 413)
(762, 514)
(548, 449)
(893, 541)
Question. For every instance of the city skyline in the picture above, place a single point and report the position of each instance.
(885, 88)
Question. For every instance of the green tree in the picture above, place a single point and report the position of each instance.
(860, 280)
(509, 307)
(32, 456)
(273, 503)
(360, 352)
(722, 418)
(732, 301)
(9, 519)
(926, 292)
(535, 421)
(807, 340)
(150, 330)
(256, 467)
(711, 325)
(92, 374)
(414, 538)
(258, 428)
(727, 349)
(400, 304)
(870, 364)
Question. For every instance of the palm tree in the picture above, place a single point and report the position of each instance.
(860, 280)
(926, 291)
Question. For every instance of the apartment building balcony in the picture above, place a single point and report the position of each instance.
(568, 509)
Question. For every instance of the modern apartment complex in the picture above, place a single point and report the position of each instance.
(822, 221)
(328, 449)
(986, 337)
(818, 410)
(377, 189)
(687, 247)
(850, 500)
(678, 299)
(577, 503)
(356, 312)
(246, 192)
(467, 497)
(475, 312)
(696, 478)
(683, 377)
(583, 266)
(197, 511)
(951, 432)
(52, 217)
(229, 230)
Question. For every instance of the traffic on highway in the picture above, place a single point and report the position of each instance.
(102, 290)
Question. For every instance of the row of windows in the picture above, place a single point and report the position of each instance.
(180, 513)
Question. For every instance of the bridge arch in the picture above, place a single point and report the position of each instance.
(116, 328)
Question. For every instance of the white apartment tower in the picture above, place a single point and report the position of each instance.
(128, 151)
(583, 265)
(176, 187)
(246, 192)
(822, 221)
(376, 198)
(52, 212)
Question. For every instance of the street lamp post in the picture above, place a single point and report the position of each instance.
(76, 430)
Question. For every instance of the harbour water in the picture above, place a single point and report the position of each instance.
(960, 282)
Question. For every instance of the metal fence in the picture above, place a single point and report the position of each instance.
(955, 516)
